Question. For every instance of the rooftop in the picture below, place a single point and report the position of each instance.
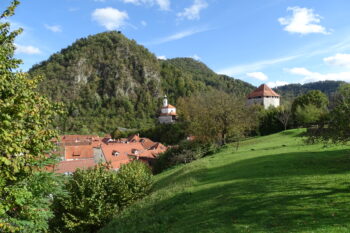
(262, 91)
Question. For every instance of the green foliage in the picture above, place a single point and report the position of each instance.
(216, 117)
(26, 120)
(308, 114)
(94, 196)
(202, 74)
(335, 126)
(269, 122)
(291, 91)
(339, 123)
(170, 134)
(312, 100)
(135, 180)
(108, 81)
(314, 97)
(186, 152)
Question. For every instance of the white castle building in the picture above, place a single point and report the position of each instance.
(265, 96)
(168, 113)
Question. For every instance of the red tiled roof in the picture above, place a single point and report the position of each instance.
(168, 106)
(147, 143)
(72, 166)
(78, 152)
(125, 152)
(134, 137)
(262, 91)
(81, 154)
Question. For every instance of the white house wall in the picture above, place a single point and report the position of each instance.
(165, 119)
(168, 110)
(271, 101)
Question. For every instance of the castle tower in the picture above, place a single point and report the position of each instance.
(265, 96)
(167, 113)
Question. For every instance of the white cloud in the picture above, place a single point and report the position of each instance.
(161, 57)
(258, 75)
(53, 28)
(340, 59)
(244, 68)
(196, 57)
(27, 49)
(164, 5)
(303, 21)
(193, 11)
(110, 18)
(309, 76)
(143, 23)
(179, 35)
(277, 84)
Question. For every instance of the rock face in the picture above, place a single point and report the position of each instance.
(107, 80)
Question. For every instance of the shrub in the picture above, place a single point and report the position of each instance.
(94, 196)
(186, 152)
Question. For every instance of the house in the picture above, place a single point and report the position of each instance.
(122, 151)
(167, 113)
(85, 151)
(264, 96)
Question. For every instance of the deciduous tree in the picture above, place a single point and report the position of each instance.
(216, 116)
(25, 147)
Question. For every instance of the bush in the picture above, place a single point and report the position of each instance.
(94, 196)
(186, 152)
(169, 134)
(268, 122)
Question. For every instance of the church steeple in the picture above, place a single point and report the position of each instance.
(165, 101)
(167, 113)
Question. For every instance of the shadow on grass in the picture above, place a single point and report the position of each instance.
(291, 192)
(299, 133)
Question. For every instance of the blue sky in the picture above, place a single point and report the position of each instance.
(258, 41)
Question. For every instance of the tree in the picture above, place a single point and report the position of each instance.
(284, 115)
(94, 196)
(268, 121)
(308, 114)
(310, 101)
(25, 132)
(315, 97)
(336, 126)
(216, 116)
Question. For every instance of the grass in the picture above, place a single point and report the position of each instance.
(272, 184)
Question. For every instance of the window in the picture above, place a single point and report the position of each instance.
(115, 153)
(135, 151)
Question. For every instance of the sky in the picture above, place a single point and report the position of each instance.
(259, 41)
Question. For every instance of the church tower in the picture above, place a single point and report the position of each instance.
(265, 96)
(167, 113)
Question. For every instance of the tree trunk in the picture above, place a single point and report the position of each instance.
(223, 138)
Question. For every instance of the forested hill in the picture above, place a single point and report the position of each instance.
(108, 81)
(291, 91)
(200, 72)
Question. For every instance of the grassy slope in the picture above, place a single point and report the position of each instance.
(272, 184)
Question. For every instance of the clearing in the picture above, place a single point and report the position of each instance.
(274, 183)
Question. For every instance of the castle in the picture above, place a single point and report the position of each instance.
(264, 96)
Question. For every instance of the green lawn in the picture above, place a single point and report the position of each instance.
(272, 184)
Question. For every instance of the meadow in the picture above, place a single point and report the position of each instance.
(274, 183)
